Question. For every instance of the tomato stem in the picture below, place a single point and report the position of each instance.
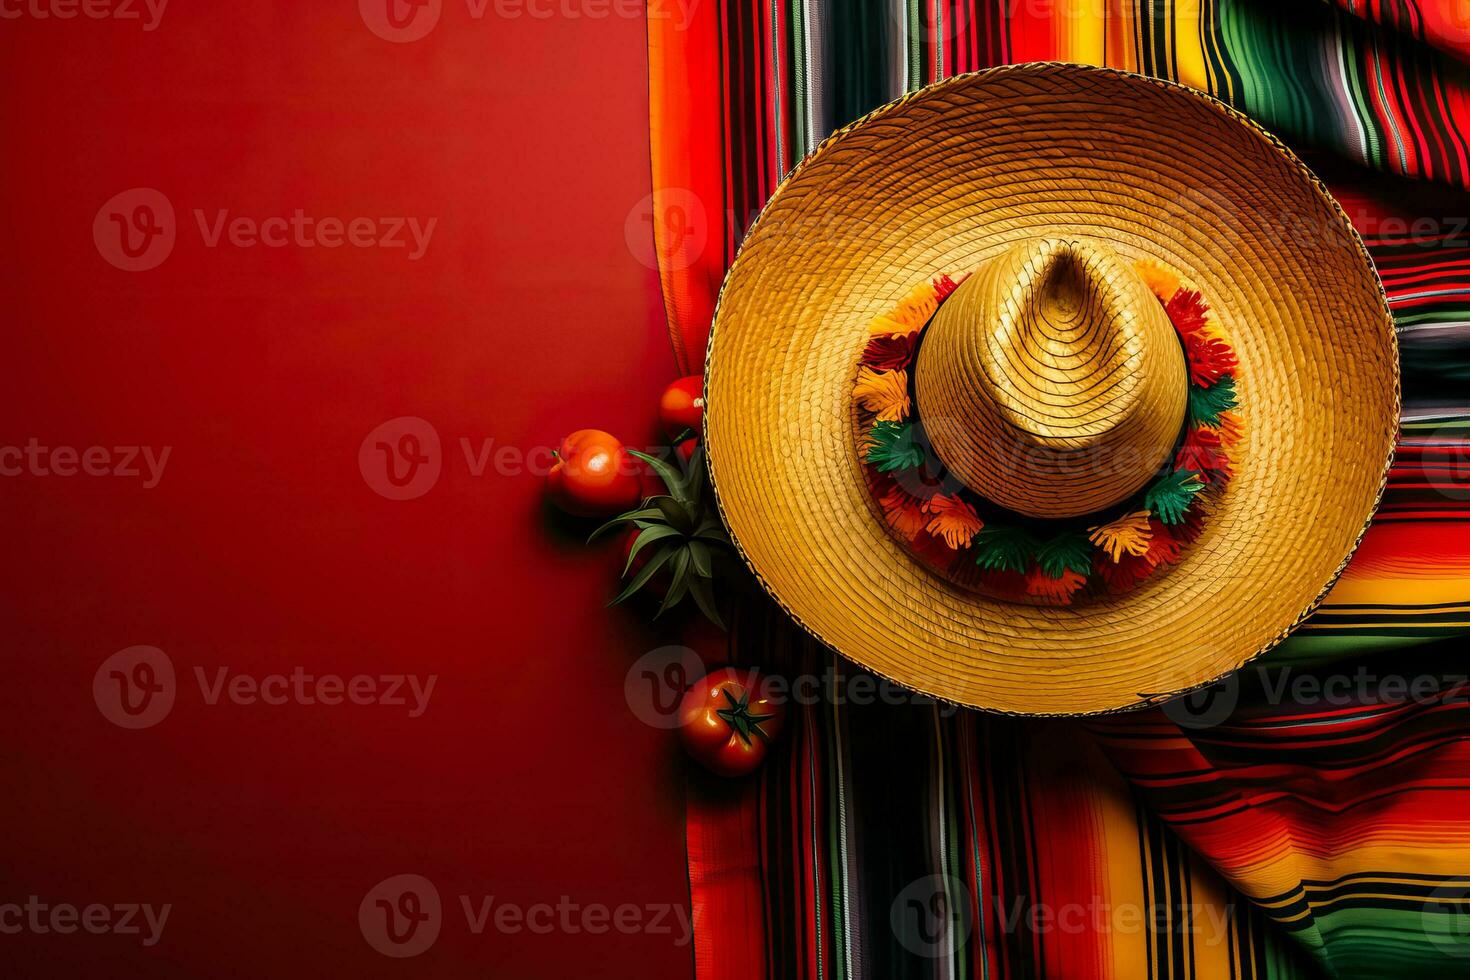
(739, 717)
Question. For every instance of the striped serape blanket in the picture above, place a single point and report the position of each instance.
(1308, 818)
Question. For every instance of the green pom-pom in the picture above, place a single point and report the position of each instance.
(1171, 496)
(1206, 404)
(1002, 548)
(893, 447)
(1066, 552)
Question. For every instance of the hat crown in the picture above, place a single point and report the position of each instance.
(1052, 382)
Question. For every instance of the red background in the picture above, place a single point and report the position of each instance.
(263, 549)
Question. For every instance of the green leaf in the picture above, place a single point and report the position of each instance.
(694, 479)
(1000, 547)
(710, 529)
(893, 447)
(679, 584)
(1172, 494)
(673, 480)
(676, 513)
(704, 598)
(1206, 404)
(1065, 552)
(628, 517)
(699, 557)
(645, 537)
(660, 558)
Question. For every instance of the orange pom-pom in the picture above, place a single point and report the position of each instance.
(884, 393)
(954, 520)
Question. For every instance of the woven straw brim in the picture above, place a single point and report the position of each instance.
(950, 176)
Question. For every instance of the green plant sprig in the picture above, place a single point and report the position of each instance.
(683, 530)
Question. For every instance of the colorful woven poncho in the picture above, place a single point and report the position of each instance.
(1309, 819)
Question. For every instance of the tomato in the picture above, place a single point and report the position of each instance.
(681, 407)
(594, 476)
(728, 719)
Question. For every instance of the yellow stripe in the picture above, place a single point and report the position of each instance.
(1085, 33)
(1189, 45)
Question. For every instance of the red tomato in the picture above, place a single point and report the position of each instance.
(594, 476)
(728, 719)
(681, 406)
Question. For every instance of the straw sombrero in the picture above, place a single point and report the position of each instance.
(1051, 390)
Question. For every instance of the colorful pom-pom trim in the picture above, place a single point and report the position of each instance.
(940, 520)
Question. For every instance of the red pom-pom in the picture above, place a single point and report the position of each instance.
(1163, 549)
(1003, 583)
(1187, 311)
(1125, 574)
(1209, 358)
(1202, 452)
(944, 285)
(889, 353)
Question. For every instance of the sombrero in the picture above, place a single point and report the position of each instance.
(1050, 390)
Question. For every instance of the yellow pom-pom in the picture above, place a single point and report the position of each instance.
(1128, 535)
(884, 393)
(1163, 280)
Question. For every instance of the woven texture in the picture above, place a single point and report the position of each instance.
(941, 182)
(1052, 382)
